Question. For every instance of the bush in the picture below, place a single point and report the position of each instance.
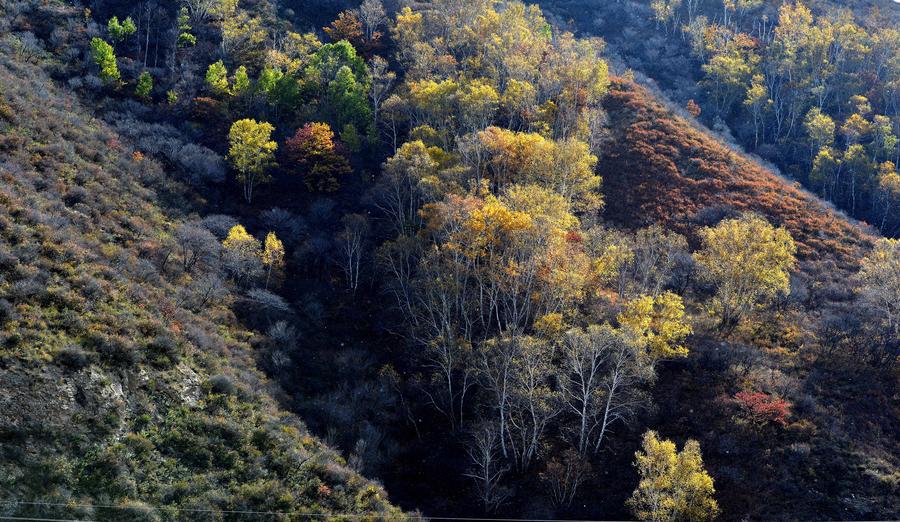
(163, 351)
(74, 357)
(220, 384)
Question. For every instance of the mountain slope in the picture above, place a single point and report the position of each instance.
(117, 386)
(662, 168)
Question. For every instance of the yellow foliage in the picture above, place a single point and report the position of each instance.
(550, 324)
(239, 240)
(674, 485)
(273, 253)
(748, 260)
(659, 323)
(493, 223)
(526, 157)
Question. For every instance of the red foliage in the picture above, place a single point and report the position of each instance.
(348, 27)
(315, 153)
(762, 408)
(693, 108)
(573, 236)
(662, 169)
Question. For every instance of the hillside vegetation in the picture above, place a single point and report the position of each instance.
(261, 257)
(129, 388)
(664, 169)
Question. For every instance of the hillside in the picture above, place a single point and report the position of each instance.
(662, 168)
(805, 85)
(272, 259)
(126, 393)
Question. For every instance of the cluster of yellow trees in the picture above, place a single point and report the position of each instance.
(820, 85)
(528, 316)
(245, 254)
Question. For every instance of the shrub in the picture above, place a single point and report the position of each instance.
(761, 408)
(163, 351)
(74, 357)
(220, 384)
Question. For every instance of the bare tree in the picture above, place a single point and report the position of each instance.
(197, 246)
(351, 242)
(487, 468)
(533, 402)
(602, 376)
(382, 81)
(372, 16)
(564, 474)
(200, 10)
(495, 374)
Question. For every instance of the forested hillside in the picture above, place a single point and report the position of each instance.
(810, 86)
(255, 251)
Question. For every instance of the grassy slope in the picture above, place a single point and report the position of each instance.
(111, 391)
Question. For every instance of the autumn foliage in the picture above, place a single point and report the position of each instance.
(662, 169)
(313, 152)
(761, 408)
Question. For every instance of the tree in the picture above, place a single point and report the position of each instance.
(478, 102)
(756, 100)
(313, 149)
(747, 260)
(352, 240)
(826, 170)
(564, 474)
(601, 373)
(144, 87)
(347, 27)
(346, 99)
(272, 255)
(382, 80)
(329, 59)
(119, 32)
(251, 152)
(372, 16)
(240, 82)
(674, 485)
(197, 246)
(487, 468)
(533, 402)
(243, 254)
(880, 279)
(185, 37)
(819, 128)
(200, 10)
(658, 323)
(400, 192)
(889, 192)
(761, 409)
(566, 167)
(217, 78)
(651, 257)
(105, 58)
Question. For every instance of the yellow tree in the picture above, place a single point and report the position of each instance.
(251, 152)
(566, 166)
(272, 255)
(674, 485)
(747, 260)
(659, 324)
(880, 278)
(243, 254)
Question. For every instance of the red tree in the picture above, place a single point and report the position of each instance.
(314, 152)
